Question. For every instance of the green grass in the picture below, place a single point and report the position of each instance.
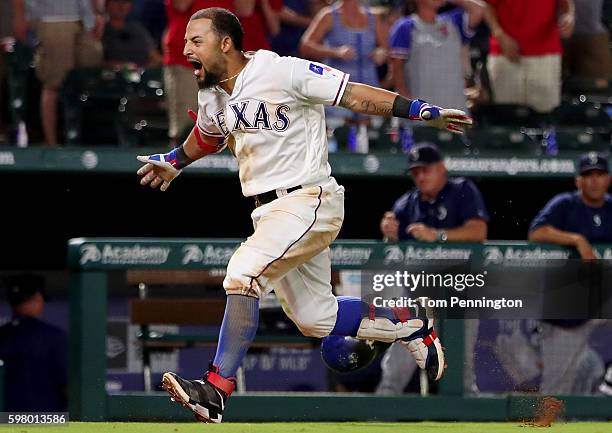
(362, 427)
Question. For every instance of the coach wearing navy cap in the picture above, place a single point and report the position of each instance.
(582, 217)
(438, 208)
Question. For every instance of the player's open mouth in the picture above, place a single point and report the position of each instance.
(197, 67)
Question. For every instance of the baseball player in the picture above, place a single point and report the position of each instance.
(575, 219)
(268, 110)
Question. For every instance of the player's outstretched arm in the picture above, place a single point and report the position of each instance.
(365, 99)
(163, 168)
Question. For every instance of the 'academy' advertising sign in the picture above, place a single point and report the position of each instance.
(211, 255)
(128, 255)
(350, 256)
(395, 255)
(522, 257)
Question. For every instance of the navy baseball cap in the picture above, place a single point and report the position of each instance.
(423, 154)
(22, 287)
(592, 161)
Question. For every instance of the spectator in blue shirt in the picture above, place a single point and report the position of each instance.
(582, 217)
(438, 208)
(347, 35)
(294, 19)
(34, 353)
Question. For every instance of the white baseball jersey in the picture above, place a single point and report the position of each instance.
(276, 117)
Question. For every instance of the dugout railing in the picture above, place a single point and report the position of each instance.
(91, 260)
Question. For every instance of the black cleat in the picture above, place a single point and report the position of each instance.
(205, 398)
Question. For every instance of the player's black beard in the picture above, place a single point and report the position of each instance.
(210, 79)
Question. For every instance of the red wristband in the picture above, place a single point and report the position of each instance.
(208, 148)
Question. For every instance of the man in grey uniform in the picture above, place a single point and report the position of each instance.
(427, 51)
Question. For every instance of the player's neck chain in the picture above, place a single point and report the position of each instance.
(234, 76)
(230, 78)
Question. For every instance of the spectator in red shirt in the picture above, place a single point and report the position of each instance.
(260, 20)
(179, 82)
(525, 53)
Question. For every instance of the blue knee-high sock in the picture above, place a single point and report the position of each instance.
(238, 329)
(350, 312)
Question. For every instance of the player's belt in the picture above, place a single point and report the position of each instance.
(267, 197)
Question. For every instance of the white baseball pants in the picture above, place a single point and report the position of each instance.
(289, 252)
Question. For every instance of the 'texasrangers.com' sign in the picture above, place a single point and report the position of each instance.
(511, 166)
(128, 255)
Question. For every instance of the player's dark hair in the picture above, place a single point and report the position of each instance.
(224, 23)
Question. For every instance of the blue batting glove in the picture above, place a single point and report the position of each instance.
(159, 169)
(421, 110)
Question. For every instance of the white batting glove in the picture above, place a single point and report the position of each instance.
(159, 169)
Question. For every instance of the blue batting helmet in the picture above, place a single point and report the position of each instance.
(346, 354)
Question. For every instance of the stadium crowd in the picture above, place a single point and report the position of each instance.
(460, 54)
